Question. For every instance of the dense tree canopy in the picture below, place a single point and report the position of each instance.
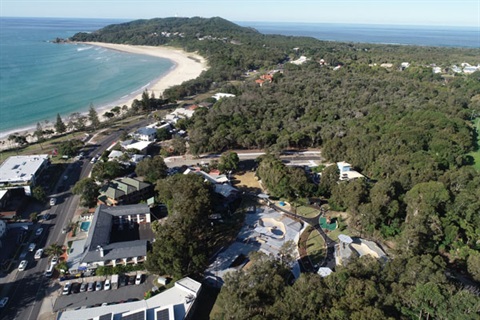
(181, 242)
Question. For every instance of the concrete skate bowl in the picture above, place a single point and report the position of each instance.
(271, 228)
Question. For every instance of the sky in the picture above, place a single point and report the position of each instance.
(402, 12)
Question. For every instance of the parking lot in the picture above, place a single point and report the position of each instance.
(96, 298)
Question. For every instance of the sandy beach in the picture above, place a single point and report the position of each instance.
(187, 66)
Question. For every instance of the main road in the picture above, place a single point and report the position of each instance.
(27, 289)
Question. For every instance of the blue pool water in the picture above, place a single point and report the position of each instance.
(85, 226)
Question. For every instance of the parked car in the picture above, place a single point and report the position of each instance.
(91, 286)
(23, 265)
(31, 247)
(75, 287)
(39, 231)
(46, 216)
(83, 287)
(54, 260)
(53, 201)
(64, 230)
(3, 302)
(107, 285)
(138, 278)
(38, 254)
(131, 280)
(124, 281)
(98, 285)
(66, 288)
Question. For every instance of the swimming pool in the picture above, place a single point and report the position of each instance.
(85, 226)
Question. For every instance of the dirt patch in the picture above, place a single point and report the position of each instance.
(247, 182)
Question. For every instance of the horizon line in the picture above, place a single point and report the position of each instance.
(261, 21)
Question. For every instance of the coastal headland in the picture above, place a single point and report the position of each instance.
(187, 66)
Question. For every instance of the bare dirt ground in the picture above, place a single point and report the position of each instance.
(247, 182)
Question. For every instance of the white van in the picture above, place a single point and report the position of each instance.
(49, 271)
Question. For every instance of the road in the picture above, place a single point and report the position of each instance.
(27, 289)
(300, 158)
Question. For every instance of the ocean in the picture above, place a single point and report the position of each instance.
(438, 36)
(39, 79)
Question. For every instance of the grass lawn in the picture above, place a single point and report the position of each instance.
(335, 233)
(307, 212)
(316, 247)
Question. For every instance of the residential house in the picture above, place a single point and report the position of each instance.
(346, 172)
(145, 134)
(141, 146)
(124, 191)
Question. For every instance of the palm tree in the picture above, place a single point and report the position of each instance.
(54, 250)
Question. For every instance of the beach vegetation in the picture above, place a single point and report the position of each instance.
(93, 117)
(60, 126)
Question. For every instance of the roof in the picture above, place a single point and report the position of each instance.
(177, 300)
(120, 187)
(21, 168)
(117, 250)
(221, 95)
(99, 234)
(146, 131)
(115, 154)
(140, 145)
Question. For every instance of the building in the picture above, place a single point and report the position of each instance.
(124, 191)
(220, 95)
(145, 134)
(141, 146)
(176, 303)
(99, 248)
(22, 171)
(346, 172)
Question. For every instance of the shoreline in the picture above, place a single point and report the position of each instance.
(186, 66)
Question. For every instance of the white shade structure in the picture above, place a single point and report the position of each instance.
(345, 239)
(323, 272)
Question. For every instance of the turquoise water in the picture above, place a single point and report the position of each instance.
(39, 79)
(85, 226)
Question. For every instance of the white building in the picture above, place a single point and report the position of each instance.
(176, 303)
(145, 134)
(346, 172)
(22, 171)
(221, 95)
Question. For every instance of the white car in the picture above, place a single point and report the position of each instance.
(66, 288)
(54, 260)
(31, 247)
(39, 231)
(38, 254)
(3, 302)
(53, 201)
(107, 285)
(23, 265)
(138, 278)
